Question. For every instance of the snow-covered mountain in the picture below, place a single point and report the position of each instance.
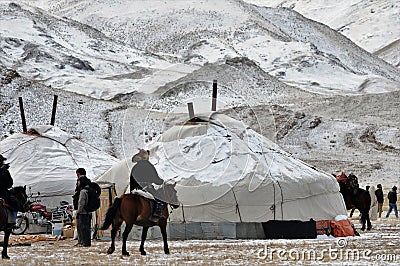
(125, 69)
(372, 25)
(187, 35)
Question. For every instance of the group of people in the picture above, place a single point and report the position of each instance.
(378, 200)
(143, 176)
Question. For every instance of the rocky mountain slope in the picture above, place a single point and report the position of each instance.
(125, 70)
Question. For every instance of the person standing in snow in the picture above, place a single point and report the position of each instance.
(373, 211)
(82, 216)
(392, 196)
(379, 198)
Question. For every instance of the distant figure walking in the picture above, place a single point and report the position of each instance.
(392, 196)
(379, 198)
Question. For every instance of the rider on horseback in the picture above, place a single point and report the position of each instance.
(351, 181)
(6, 182)
(144, 176)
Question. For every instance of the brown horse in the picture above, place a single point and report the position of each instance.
(356, 198)
(21, 198)
(133, 209)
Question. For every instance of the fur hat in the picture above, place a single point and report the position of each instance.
(379, 186)
(394, 188)
(141, 155)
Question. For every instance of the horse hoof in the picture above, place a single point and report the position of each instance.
(166, 251)
(110, 250)
(5, 257)
(362, 228)
(125, 253)
(143, 253)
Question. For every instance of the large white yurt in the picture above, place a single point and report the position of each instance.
(45, 159)
(230, 179)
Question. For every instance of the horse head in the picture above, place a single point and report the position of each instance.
(20, 194)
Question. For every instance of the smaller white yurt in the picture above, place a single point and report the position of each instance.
(46, 158)
(230, 179)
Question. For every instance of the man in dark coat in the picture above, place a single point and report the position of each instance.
(82, 216)
(144, 176)
(392, 196)
(379, 198)
(6, 182)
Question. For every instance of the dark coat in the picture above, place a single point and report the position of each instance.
(6, 181)
(379, 195)
(392, 196)
(143, 174)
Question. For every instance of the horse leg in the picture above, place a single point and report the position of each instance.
(144, 236)
(127, 230)
(369, 225)
(114, 231)
(164, 236)
(7, 233)
(363, 220)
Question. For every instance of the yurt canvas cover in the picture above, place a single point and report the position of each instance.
(46, 159)
(226, 173)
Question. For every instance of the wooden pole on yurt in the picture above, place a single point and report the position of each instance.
(21, 109)
(191, 110)
(214, 96)
(53, 113)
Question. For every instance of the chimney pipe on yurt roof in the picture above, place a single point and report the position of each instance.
(53, 113)
(21, 109)
(214, 96)
(191, 110)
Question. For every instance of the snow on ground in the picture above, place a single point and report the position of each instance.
(379, 246)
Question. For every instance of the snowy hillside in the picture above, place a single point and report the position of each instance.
(123, 71)
(284, 44)
(72, 56)
(372, 25)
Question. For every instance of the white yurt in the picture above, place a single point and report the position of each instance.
(45, 159)
(230, 179)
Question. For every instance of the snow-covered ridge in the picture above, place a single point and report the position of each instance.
(373, 25)
(297, 51)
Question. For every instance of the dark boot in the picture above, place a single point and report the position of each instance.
(157, 210)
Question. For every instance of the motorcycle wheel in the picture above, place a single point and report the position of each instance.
(21, 225)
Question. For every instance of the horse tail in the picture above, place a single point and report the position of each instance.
(111, 213)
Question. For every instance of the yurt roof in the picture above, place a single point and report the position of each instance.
(46, 158)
